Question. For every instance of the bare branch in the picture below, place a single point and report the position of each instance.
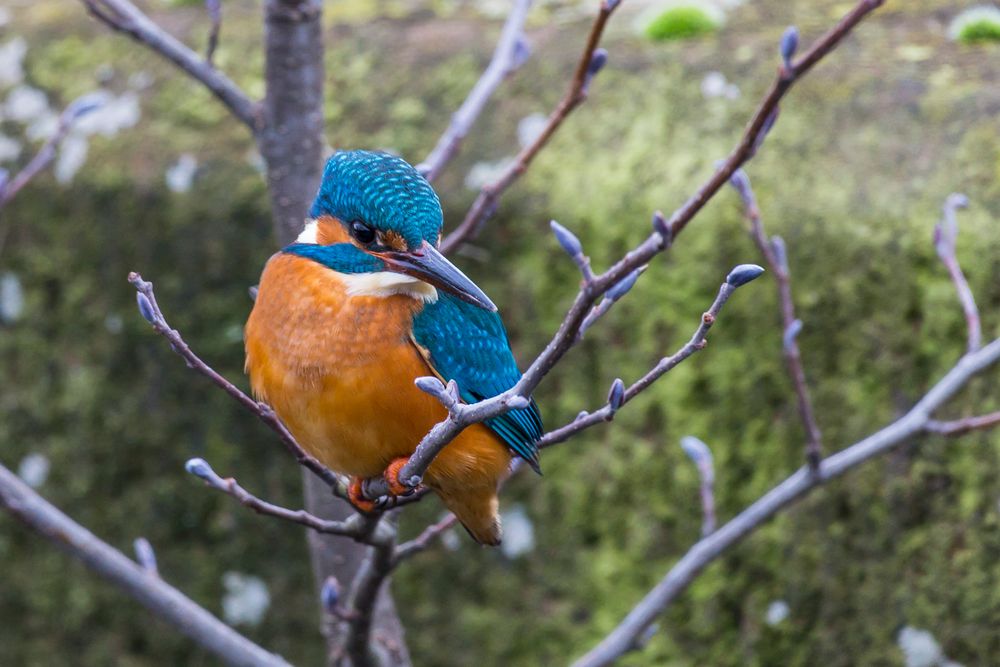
(150, 311)
(511, 52)
(775, 255)
(963, 426)
(162, 599)
(354, 527)
(697, 342)
(701, 456)
(766, 113)
(591, 290)
(423, 540)
(214, 8)
(945, 238)
(591, 61)
(374, 571)
(803, 481)
(76, 110)
(145, 555)
(123, 16)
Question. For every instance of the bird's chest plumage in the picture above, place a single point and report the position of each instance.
(338, 369)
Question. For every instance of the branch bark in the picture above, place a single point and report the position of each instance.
(147, 587)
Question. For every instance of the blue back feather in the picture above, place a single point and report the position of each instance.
(469, 345)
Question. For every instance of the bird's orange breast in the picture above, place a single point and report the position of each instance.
(339, 371)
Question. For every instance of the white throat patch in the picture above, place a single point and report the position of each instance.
(386, 283)
(309, 233)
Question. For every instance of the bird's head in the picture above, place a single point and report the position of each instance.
(375, 214)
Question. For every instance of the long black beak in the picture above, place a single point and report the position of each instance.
(429, 265)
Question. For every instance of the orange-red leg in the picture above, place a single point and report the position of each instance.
(356, 495)
(396, 487)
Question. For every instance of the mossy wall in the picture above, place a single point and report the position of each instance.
(852, 177)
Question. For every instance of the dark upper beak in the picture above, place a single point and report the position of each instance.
(429, 265)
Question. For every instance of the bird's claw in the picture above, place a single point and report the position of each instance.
(396, 487)
(356, 494)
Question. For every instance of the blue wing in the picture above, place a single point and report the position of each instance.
(469, 345)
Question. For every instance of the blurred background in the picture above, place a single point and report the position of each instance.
(898, 559)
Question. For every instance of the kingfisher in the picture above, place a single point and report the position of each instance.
(354, 311)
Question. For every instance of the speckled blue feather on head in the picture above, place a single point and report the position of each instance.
(383, 191)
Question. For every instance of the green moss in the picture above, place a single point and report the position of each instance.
(681, 22)
(980, 30)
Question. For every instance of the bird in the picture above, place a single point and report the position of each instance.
(359, 307)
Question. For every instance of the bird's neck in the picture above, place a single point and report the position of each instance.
(325, 230)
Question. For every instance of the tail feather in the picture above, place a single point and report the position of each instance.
(476, 510)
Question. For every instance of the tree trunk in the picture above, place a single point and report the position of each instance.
(290, 138)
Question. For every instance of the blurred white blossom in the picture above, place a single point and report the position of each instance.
(24, 104)
(34, 469)
(11, 298)
(530, 127)
(919, 647)
(9, 148)
(180, 175)
(715, 85)
(72, 155)
(246, 599)
(486, 172)
(518, 533)
(42, 127)
(4, 16)
(116, 114)
(11, 59)
(777, 612)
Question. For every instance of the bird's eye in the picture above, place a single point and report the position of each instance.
(362, 232)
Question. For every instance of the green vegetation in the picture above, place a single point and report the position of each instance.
(909, 540)
(979, 24)
(682, 22)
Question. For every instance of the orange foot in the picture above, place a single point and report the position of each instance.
(356, 495)
(396, 487)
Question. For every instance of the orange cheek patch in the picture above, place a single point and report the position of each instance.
(329, 231)
(394, 241)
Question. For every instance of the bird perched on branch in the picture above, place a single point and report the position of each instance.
(361, 305)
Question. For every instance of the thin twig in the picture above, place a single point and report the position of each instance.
(162, 599)
(510, 54)
(355, 527)
(123, 16)
(214, 9)
(701, 456)
(76, 110)
(945, 240)
(776, 257)
(663, 235)
(962, 426)
(699, 556)
(589, 64)
(423, 540)
(697, 342)
(150, 310)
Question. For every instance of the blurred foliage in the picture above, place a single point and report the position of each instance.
(681, 22)
(852, 177)
(981, 29)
